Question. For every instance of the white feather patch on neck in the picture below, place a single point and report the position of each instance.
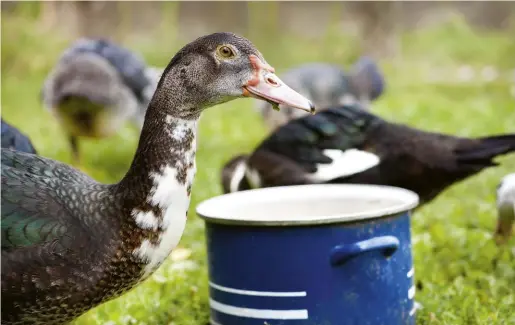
(172, 198)
(345, 163)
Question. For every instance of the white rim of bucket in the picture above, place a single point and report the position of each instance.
(213, 210)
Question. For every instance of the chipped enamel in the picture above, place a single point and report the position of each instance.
(172, 197)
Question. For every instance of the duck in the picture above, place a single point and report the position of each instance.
(327, 85)
(70, 243)
(95, 87)
(505, 209)
(15, 139)
(347, 144)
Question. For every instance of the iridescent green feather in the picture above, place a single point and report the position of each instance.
(29, 215)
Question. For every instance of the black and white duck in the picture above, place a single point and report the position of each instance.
(97, 86)
(327, 85)
(505, 208)
(70, 243)
(12, 138)
(347, 144)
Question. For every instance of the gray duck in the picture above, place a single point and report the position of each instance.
(95, 87)
(327, 85)
(505, 208)
(12, 138)
(70, 243)
(346, 144)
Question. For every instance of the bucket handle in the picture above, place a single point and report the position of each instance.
(342, 253)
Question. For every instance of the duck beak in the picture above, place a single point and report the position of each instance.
(267, 86)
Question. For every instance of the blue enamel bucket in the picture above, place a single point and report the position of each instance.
(311, 254)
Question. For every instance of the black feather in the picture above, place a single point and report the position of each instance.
(485, 149)
(424, 162)
(303, 140)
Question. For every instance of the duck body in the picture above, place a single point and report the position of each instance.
(70, 243)
(80, 243)
(95, 87)
(349, 145)
(327, 85)
(65, 237)
(14, 139)
(505, 208)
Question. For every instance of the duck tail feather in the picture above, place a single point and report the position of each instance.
(486, 149)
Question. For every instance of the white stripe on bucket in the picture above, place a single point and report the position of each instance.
(411, 292)
(258, 313)
(411, 272)
(258, 293)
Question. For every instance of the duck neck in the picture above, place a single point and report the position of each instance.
(166, 149)
(155, 192)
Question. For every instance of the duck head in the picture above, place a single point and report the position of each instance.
(220, 67)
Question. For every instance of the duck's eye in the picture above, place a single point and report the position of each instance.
(226, 52)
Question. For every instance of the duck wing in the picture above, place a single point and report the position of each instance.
(45, 242)
(33, 211)
(328, 145)
(41, 166)
(29, 215)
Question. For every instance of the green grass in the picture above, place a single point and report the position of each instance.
(462, 277)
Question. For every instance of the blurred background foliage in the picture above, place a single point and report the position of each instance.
(449, 67)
